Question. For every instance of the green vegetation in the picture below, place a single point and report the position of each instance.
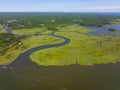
(112, 30)
(30, 31)
(115, 21)
(8, 40)
(83, 49)
(10, 54)
(1, 31)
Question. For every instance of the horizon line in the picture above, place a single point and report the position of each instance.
(59, 11)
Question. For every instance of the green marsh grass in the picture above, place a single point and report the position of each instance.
(83, 49)
(30, 31)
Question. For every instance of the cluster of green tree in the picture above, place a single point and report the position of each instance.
(54, 20)
(112, 30)
(8, 40)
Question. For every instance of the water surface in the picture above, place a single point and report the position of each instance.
(73, 77)
(104, 30)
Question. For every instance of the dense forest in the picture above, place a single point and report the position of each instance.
(54, 20)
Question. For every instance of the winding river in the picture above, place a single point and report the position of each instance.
(25, 57)
(23, 74)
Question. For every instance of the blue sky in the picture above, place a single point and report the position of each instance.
(60, 5)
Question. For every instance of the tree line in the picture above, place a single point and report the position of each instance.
(54, 20)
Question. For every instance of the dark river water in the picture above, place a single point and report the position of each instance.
(23, 74)
(73, 77)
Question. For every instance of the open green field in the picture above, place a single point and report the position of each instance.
(31, 31)
(1, 31)
(83, 49)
